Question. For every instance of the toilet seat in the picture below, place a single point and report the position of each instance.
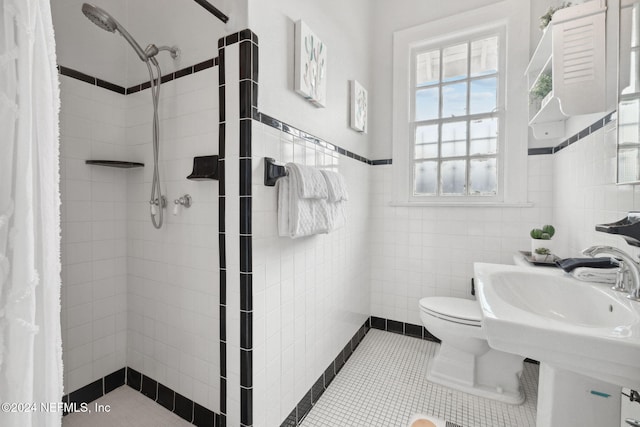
(456, 310)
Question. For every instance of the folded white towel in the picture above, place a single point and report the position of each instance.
(298, 217)
(282, 189)
(598, 275)
(310, 183)
(337, 217)
(336, 186)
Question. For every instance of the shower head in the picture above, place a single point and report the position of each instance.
(107, 22)
(99, 17)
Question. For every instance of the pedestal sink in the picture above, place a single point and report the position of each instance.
(585, 335)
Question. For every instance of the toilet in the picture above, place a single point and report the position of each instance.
(464, 360)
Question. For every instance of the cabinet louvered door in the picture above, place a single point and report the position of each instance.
(579, 59)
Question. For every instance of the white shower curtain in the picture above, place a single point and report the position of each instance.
(30, 340)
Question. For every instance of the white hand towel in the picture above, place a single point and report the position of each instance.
(310, 182)
(599, 275)
(337, 217)
(282, 189)
(299, 217)
(308, 217)
(336, 186)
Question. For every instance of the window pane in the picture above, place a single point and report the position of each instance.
(484, 136)
(628, 113)
(454, 61)
(453, 177)
(483, 177)
(425, 177)
(483, 95)
(426, 141)
(454, 139)
(454, 100)
(484, 56)
(628, 161)
(427, 103)
(428, 68)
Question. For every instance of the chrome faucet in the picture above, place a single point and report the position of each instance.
(628, 264)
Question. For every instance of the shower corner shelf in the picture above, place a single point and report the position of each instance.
(115, 164)
(204, 168)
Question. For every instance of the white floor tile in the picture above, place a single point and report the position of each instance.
(384, 384)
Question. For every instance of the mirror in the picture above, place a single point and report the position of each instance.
(629, 93)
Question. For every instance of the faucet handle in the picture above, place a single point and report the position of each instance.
(623, 277)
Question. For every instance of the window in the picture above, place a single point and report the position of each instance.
(460, 109)
(455, 120)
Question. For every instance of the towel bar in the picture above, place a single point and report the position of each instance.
(272, 171)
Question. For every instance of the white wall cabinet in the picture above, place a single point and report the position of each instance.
(573, 51)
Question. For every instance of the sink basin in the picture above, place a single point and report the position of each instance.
(564, 299)
(549, 316)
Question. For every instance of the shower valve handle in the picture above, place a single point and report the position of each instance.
(184, 201)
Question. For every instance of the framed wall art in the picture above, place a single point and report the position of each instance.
(359, 101)
(310, 65)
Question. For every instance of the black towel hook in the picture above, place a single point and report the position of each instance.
(272, 171)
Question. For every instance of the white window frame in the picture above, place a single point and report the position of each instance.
(509, 20)
(417, 50)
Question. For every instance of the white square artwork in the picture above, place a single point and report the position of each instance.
(310, 66)
(358, 106)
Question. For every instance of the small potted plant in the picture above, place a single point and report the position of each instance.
(541, 242)
(542, 88)
(545, 19)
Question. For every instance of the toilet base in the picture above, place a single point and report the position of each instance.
(493, 375)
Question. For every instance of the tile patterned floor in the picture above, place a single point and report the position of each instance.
(129, 408)
(384, 383)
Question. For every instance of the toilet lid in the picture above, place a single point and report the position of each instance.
(456, 309)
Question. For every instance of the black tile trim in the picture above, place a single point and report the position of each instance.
(277, 124)
(110, 86)
(96, 389)
(134, 379)
(540, 151)
(74, 74)
(284, 127)
(183, 407)
(381, 162)
(161, 394)
(246, 406)
(320, 385)
(115, 380)
(598, 124)
(70, 72)
(88, 393)
(247, 95)
(203, 417)
(149, 388)
(402, 328)
(166, 397)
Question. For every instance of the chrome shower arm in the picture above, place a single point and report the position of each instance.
(152, 50)
(124, 33)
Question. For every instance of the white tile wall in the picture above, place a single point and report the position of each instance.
(586, 194)
(134, 295)
(311, 294)
(429, 251)
(93, 233)
(173, 275)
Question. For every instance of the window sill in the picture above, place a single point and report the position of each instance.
(461, 204)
